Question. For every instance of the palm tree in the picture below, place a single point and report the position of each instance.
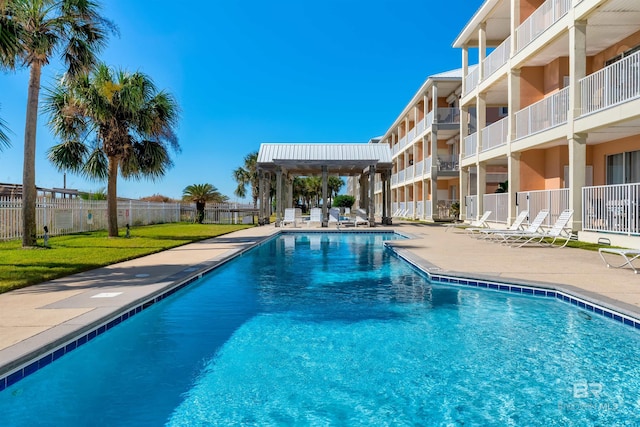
(334, 184)
(109, 122)
(39, 29)
(4, 137)
(201, 194)
(247, 175)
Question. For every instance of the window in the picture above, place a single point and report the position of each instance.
(622, 55)
(623, 168)
(503, 111)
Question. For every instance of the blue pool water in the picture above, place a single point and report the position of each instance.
(333, 329)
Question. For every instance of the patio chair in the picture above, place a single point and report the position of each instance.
(479, 223)
(503, 236)
(315, 216)
(558, 231)
(629, 255)
(334, 216)
(361, 218)
(290, 217)
(484, 233)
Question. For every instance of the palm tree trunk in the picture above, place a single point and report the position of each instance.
(112, 197)
(29, 192)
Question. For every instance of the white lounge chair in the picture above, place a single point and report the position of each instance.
(484, 233)
(334, 216)
(291, 216)
(558, 231)
(505, 235)
(315, 216)
(361, 218)
(478, 223)
(629, 255)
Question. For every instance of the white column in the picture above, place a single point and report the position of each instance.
(577, 178)
(482, 49)
(513, 177)
(481, 186)
(464, 191)
(372, 187)
(325, 211)
(465, 68)
(278, 196)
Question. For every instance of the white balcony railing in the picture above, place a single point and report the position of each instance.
(542, 115)
(427, 166)
(401, 177)
(615, 84)
(448, 115)
(497, 58)
(403, 142)
(448, 163)
(544, 17)
(471, 80)
(470, 145)
(419, 169)
(612, 208)
(411, 135)
(409, 173)
(495, 135)
(420, 127)
(395, 149)
(394, 179)
(428, 121)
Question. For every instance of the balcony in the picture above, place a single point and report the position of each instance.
(419, 169)
(614, 84)
(495, 135)
(403, 142)
(539, 21)
(448, 115)
(471, 80)
(409, 173)
(448, 163)
(542, 115)
(497, 58)
(470, 145)
(411, 135)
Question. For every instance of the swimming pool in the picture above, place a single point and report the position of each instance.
(334, 329)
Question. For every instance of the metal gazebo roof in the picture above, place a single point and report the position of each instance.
(309, 158)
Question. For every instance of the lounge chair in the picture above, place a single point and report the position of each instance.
(558, 231)
(291, 216)
(315, 216)
(504, 236)
(361, 218)
(334, 216)
(485, 233)
(629, 255)
(517, 225)
(478, 223)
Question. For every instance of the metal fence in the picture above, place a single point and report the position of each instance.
(612, 208)
(66, 216)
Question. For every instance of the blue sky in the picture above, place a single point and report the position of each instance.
(247, 72)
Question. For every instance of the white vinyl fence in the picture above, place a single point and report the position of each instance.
(66, 216)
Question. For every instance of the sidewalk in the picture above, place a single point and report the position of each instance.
(41, 317)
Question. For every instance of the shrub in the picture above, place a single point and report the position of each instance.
(343, 201)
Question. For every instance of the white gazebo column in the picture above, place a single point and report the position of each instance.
(372, 187)
(267, 196)
(385, 211)
(363, 191)
(325, 208)
(387, 185)
(289, 193)
(278, 196)
(260, 195)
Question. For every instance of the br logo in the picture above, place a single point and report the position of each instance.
(583, 390)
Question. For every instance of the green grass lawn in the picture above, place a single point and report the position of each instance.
(85, 251)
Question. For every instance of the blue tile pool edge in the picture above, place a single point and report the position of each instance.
(522, 289)
(39, 359)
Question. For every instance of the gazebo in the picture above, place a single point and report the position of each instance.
(285, 161)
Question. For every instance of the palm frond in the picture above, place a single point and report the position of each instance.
(69, 155)
(97, 165)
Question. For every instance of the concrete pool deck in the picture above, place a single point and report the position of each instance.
(39, 318)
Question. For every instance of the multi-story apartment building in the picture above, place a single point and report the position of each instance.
(566, 76)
